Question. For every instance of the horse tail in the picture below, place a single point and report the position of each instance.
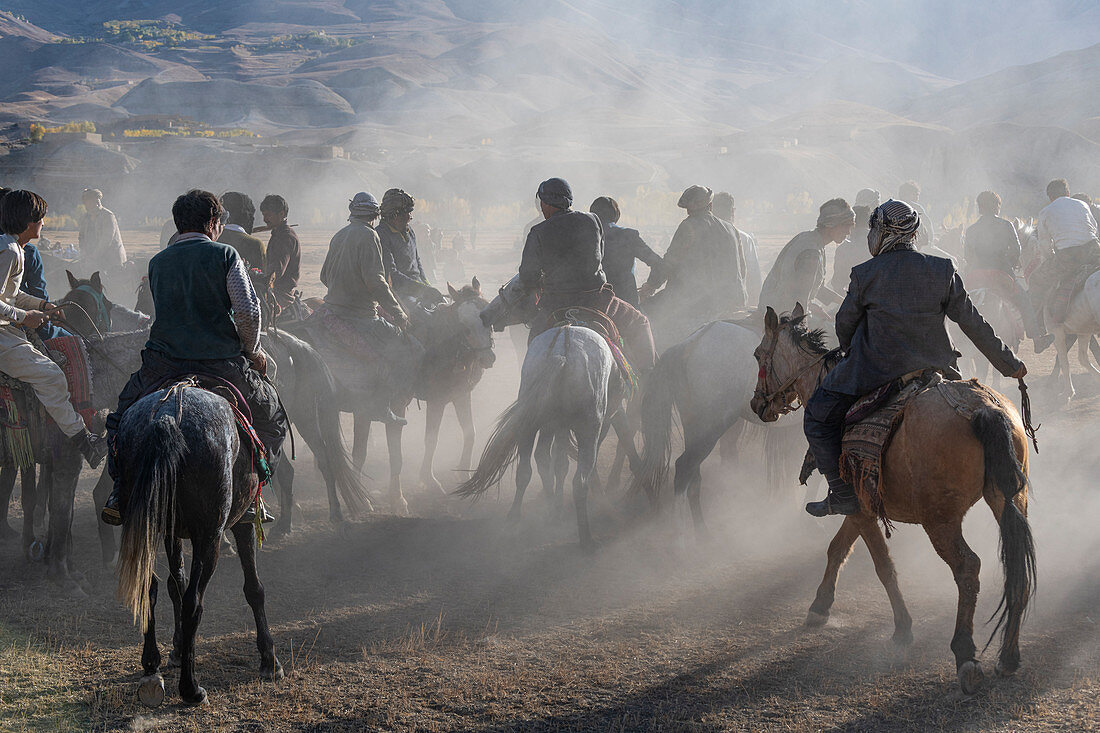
(1004, 472)
(658, 398)
(525, 416)
(327, 413)
(150, 508)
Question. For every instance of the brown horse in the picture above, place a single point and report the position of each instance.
(938, 465)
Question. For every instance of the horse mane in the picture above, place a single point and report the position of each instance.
(467, 293)
(812, 340)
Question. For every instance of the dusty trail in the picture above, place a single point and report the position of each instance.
(455, 620)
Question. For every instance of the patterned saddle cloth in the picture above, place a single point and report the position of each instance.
(602, 324)
(1062, 294)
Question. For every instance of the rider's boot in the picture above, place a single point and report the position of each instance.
(249, 515)
(841, 500)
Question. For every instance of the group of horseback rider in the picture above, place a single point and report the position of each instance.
(890, 322)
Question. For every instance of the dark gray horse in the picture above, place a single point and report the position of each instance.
(185, 474)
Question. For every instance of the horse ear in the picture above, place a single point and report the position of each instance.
(453, 293)
(771, 320)
(72, 280)
(97, 283)
(477, 285)
(798, 313)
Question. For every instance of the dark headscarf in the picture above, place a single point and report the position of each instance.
(396, 202)
(896, 223)
(695, 198)
(833, 212)
(556, 192)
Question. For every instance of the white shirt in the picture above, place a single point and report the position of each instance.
(14, 303)
(1066, 222)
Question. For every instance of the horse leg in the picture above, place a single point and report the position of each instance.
(1083, 356)
(727, 444)
(1009, 658)
(559, 459)
(360, 436)
(432, 421)
(587, 447)
(523, 474)
(393, 442)
(625, 450)
(28, 498)
(545, 465)
(884, 568)
(177, 583)
(464, 411)
(1063, 357)
(254, 594)
(43, 494)
(688, 482)
(151, 686)
(839, 550)
(60, 539)
(203, 562)
(108, 547)
(7, 486)
(948, 541)
(284, 483)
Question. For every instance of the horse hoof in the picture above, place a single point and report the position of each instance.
(815, 620)
(1004, 670)
(36, 551)
(173, 661)
(903, 637)
(970, 677)
(274, 673)
(343, 531)
(197, 699)
(110, 563)
(151, 690)
(400, 506)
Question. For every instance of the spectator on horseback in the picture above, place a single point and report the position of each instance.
(21, 218)
(622, 247)
(1068, 240)
(563, 260)
(399, 252)
(207, 324)
(891, 325)
(99, 237)
(704, 268)
(798, 275)
(283, 260)
(355, 276)
(991, 243)
(238, 231)
(853, 250)
(725, 208)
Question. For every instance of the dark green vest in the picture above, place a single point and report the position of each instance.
(194, 317)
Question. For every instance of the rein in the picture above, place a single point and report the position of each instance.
(789, 383)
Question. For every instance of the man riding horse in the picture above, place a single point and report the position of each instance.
(563, 257)
(890, 325)
(399, 252)
(355, 274)
(991, 243)
(1068, 240)
(208, 324)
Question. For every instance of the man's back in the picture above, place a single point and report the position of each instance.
(992, 244)
(567, 251)
(621, 247)
(188, 284)
(704, 258)
(251, 249)
(798, 273)
(284, 258)
(354, 274)
(1066, 222)
(892, 322)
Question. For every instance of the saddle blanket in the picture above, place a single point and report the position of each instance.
(1063, 293)
(602, 324)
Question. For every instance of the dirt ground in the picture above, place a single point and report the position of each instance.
(454, 619)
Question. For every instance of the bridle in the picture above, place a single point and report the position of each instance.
(791, 399)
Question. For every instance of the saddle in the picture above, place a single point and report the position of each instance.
(998, 281)
(602, 324)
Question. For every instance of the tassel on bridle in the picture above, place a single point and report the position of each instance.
(1025, 408)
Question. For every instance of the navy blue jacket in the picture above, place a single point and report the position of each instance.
(892, 323)
(564, 254)
(401, 261)
(621, 247)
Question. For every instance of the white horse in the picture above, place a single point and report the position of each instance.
(570, 387)
(1083, 321)
(709, 378)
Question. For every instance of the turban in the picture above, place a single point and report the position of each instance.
(396, 202)
(94, 192)
(363, 205)
(896, 224)
(867, 198)
(556, 192)
(834, 212)
(695, 198)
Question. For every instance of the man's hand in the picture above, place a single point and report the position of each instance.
(34, 319)
(433, 296)
(49, 307)
(1020, 373)
(401, 321)
(259, 362)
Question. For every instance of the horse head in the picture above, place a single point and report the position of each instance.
(514, 304)
(467, 305)
(787, 355)
(87, 311)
